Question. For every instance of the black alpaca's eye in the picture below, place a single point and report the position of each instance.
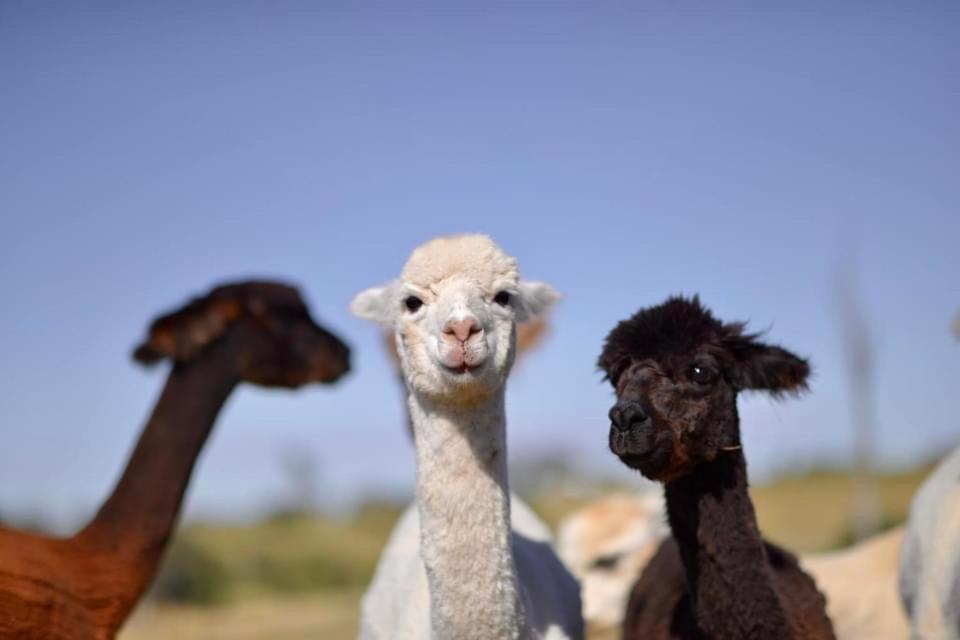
(502, 298)
(412, 303)
(701, 374)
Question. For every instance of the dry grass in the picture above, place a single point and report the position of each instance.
(811, 512)
(326, 615)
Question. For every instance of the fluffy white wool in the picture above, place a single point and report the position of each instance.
(400, 570)
(473, 257)
(474, 260)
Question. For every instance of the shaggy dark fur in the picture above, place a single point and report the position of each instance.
(283, 346)
(677, 371)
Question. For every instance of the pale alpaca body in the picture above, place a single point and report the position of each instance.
(455, 566)
(606, 544)
(930, 556)
(609, 542)
(860, 584)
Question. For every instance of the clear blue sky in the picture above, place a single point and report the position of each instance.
(621, 153)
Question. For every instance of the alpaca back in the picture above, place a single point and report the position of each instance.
(397, 603)
(930, 557)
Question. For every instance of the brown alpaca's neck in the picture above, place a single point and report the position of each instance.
(136, 520)
(728, 577)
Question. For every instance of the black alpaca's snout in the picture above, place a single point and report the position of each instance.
(636, 440)
(626, 416)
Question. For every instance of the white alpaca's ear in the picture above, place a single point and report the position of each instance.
(376, 304)
(534, 299)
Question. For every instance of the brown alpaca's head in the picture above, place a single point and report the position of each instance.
(677, 371)
(265, 326)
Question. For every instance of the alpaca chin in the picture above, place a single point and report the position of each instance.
(640, 449)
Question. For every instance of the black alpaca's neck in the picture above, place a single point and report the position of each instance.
(728, 577)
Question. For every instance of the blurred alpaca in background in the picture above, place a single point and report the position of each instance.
(860, 584)
(84, 587)
(606, 544)
(930, 557)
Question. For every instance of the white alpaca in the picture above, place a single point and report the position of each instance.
(454, 567)
(930, 555)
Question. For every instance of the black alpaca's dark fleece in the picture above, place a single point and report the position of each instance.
(715, 577)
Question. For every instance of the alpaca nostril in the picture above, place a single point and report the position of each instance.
(634, 415)
(462, 328)
(628, 416)
(616, 416)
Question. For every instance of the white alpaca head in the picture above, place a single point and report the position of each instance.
(454, 311)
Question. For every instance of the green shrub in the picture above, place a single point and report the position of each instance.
(191, 574)
(309, 573)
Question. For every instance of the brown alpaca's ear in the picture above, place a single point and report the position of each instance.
(390, 345)
(530, 334)
(763, 367)
(182, 334)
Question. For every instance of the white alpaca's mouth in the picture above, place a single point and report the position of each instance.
(463, 369)
(461, 360)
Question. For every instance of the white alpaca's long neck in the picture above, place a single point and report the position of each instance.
(464, 502)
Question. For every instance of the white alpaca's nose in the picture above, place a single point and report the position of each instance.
(462, 328)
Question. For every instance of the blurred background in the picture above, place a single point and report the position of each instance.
(796, 166)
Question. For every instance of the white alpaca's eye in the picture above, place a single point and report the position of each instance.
(502, 298)
(412, 303)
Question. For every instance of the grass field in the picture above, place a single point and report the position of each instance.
(296, 577)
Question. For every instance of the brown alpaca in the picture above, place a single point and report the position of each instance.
(677, 372)
(83, 587)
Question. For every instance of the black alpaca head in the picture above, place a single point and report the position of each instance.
(677, 371)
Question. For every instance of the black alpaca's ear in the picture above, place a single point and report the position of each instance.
(765, 367)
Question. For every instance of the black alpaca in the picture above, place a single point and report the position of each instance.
(677, 371)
